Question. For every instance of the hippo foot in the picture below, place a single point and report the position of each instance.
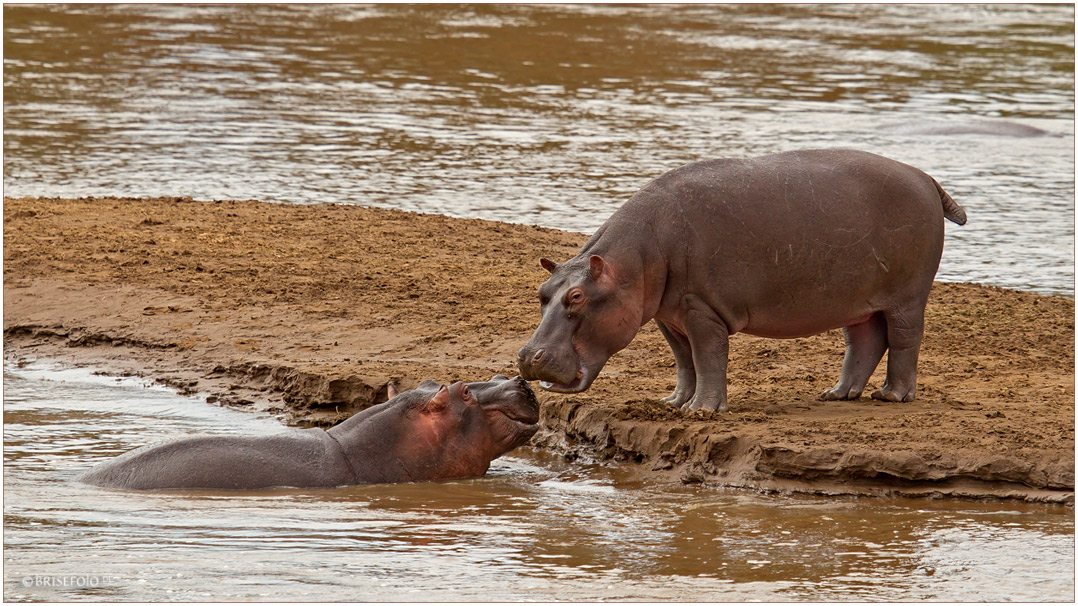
(839, 393)
(890, 395)
(678, 398)
(699, 402)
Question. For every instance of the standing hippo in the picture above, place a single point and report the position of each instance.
(432, 432)
(781, 246)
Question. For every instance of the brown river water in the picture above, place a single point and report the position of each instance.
(549, 115)
(535, 528)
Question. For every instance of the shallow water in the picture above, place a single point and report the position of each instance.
(535, 528)
(551, 115)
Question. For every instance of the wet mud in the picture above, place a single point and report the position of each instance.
(311, 311)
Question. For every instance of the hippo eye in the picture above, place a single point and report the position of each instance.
(576, 297)
(466, 393)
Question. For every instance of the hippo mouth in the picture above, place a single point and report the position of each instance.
(523, 414)
(578, 384)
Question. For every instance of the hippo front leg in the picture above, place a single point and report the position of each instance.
(710, 341)
(686, 371)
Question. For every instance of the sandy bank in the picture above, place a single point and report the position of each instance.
(311, 310)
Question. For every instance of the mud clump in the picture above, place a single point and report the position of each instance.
(311, 311)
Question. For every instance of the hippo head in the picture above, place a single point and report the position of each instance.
(456, 431)
(589, 314)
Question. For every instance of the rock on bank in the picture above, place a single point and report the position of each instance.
(312, 310)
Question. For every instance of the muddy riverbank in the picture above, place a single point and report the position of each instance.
(311, 310)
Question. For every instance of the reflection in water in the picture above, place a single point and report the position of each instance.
(536, 528)
(551, 115)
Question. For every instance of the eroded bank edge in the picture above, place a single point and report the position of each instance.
(690, 453)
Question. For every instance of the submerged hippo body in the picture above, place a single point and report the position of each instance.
(432, 432)
(997, 128)
(781, 246)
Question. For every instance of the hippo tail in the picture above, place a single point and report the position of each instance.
(951, 209)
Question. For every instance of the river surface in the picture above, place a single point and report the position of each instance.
(535, 528)
(550, 115)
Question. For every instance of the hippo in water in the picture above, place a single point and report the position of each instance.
(432, 432)
(996, 128)
(781, 246)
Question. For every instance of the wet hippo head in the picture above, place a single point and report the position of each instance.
(589, 313)
(456, 431)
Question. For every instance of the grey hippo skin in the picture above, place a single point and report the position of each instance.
(781, 246)
(432, 432)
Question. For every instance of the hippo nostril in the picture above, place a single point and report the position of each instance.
(538, 357)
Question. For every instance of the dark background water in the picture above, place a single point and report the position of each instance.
(551, 115)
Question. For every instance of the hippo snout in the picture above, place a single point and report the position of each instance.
(531, 403)
(529, 360)
(539, 363)
(517, 401)
(512, 398)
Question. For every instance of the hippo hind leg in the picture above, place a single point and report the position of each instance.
(686, 371)
(865, 344)
(905, 327)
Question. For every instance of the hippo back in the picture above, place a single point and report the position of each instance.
(797, 243)
(300, 458)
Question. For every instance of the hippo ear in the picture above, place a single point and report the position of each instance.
(438, 402)
(548, 264)
(597, 265)
(391, 390)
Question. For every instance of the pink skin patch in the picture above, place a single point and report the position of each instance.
(857, 321)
